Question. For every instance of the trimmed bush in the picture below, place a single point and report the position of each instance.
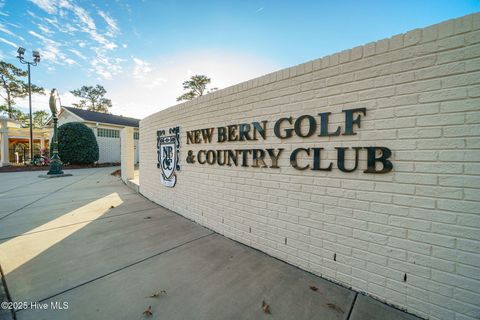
(77, 144)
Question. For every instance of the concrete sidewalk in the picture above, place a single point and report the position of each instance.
(93, 243)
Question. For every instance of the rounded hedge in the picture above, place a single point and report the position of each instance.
(77, 144)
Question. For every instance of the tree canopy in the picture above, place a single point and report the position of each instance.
(39, 118)
(12, 87)
(196, 86)
(92, 98)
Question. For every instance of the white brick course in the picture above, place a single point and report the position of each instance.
(421, 220)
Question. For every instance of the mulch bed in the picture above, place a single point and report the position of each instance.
(20, 168)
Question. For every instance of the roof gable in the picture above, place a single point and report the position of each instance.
(93, 116)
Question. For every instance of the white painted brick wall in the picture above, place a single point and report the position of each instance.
(422, 93)
(127, 153)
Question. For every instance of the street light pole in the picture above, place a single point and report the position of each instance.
(30, 113)
(36, 60)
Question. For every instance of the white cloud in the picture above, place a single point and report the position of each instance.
(83, 16)
(70, 61)
(9, 42)
(105, 66)
(67, 17)
(142, 72)
(141, 69)
(107, 44)
(5, 30)
(44, 29)
(156, 82)
(78, 54)
(40, 102)
(100, 69)
(87, 24)
(51, 49)
(67, 99)
(112, 24)
(160, 82)
(48, 6)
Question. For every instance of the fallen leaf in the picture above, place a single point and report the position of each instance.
(156, 294)
(334, 307)
(313, 288)
(116, 173)
(148, 312)
(265, 307)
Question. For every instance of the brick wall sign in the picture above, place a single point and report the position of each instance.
(361, 167)
(269, 158)
(168, 149)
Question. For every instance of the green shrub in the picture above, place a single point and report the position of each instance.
(77, 144)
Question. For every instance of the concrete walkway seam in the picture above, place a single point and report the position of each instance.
(72, 224)
(27, 184)
(352, 305)
(44, 196)
(122, 268)
(5, 287)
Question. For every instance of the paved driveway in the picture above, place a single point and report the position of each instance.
(92, 243)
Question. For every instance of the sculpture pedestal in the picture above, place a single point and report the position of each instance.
(55, 164)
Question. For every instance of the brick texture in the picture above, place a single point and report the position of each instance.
(410, 237)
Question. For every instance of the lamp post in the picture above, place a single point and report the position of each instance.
(36, 60)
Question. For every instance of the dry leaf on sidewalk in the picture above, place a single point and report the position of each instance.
(334, 307)
(265, 307)
(148, 312)
(156, 294)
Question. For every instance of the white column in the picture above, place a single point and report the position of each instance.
(4, 158)
(42, 142)
(127, 154)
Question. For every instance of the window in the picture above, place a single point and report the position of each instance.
(136, 135)
(108, 133)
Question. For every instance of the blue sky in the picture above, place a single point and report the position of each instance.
(141, 51)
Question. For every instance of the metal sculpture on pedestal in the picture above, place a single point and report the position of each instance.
(55, 162)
